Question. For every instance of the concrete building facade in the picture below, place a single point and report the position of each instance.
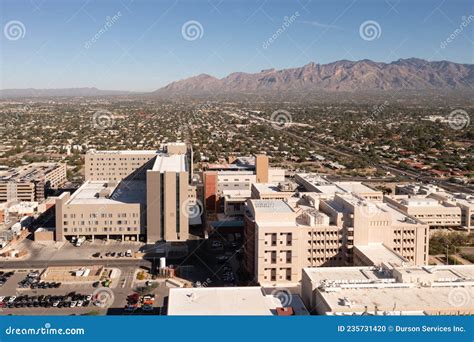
(28, 183)
(284, 236)
(153, 201)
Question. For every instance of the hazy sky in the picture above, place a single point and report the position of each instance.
(68, 43)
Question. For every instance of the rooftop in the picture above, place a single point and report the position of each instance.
(99, 192)
(228, 301)
(28, 172)
(271, 206)
(379, 255)
(320, 184)
(393, 300)
(170, 163)
(124, 152)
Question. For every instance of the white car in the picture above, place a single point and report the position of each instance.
(12, 299)
(73, 304)
(79, 303)
(55, 304)
(2, 298)
(89, 297)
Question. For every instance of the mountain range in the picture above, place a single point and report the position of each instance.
(344, 75)
(364, 75)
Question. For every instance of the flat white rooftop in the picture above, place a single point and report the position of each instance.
(236, 194)
(268, 188)
(170, 163)
(114, 193)
(356, 187)
(227, 301)
(271, 206)
(395, 300)
(124, 152)
(379, 254)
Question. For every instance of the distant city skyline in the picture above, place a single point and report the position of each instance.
(144, 45)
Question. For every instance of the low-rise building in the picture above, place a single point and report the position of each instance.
(29, 183)
(319, 184)
(435, 212)
(238, 176)
(404, 290)
(233, 301)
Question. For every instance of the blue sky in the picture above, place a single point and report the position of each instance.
(144, 48)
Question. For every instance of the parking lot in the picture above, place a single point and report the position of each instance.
(67, 251)
(81, 298)
(65, 299)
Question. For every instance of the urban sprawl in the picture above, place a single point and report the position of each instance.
(133, 206)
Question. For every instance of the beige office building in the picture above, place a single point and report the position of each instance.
(28, 183)
(167, 199)
(437, 213)
(284, 236)
(152, 201)
(444, 198)
(102, 210)
(114, 165)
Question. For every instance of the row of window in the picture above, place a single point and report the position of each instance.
(105, 229)
(96, 223)
(271, 273)
(103, 215)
